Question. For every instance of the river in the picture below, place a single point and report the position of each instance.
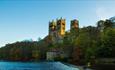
(35, 66)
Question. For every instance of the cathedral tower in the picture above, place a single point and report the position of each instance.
(61, 27)
(52, 28)
(74, 25)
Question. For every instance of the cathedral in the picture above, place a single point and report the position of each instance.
(57, 33)
(57, 29)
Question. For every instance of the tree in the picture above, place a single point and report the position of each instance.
(108, 23)
(107, 47)
(87, 42)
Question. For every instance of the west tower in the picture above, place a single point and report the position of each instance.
(61, 27)
(52, 28)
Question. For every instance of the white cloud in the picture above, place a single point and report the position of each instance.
(104, 13)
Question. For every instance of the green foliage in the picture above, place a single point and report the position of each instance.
(87, 39)
(20, 51)
(107, 48)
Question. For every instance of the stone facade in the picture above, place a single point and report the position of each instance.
(105, 24)
(74, 25)
(51, 55)
(57, 29)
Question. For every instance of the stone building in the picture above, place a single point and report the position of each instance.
(74, 25)
(52, 30)
(56, 35)
(112, 19)
(103, 24)
(57, 30)
(52, 54)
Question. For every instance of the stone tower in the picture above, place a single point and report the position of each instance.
(52, 28)
(57, 30)
(74, 25)
(61, 27)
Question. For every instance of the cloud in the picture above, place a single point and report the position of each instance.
(104, 13)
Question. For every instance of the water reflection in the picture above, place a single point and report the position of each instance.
(35, 66)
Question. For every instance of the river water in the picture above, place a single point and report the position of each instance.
(35, 66)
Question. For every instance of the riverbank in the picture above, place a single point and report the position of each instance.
(103, 67)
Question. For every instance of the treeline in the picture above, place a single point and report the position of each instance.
(24, 51)
(81, 46)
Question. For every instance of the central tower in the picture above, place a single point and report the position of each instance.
(74, 25)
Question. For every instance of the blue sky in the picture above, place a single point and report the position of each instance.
(28, 19)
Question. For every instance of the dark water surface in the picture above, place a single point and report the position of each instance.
(35, 66)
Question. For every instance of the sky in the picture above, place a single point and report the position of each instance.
(29, 19)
